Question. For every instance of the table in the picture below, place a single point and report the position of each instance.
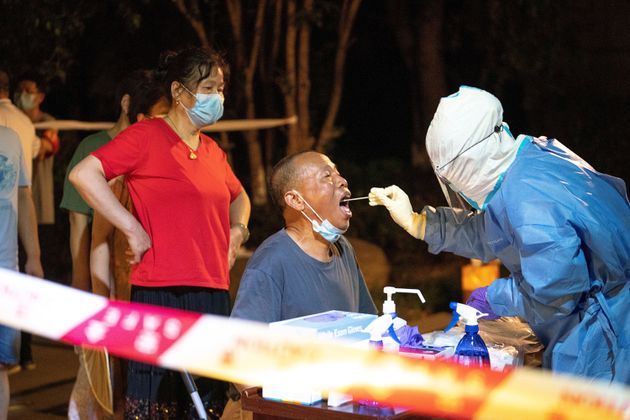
(263, 409)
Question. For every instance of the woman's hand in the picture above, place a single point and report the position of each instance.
(139, 242)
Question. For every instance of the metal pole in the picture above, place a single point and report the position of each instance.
(194, 394)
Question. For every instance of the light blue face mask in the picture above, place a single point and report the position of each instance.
(326, 229)
(207, 110)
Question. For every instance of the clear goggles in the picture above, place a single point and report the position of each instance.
(461, 209)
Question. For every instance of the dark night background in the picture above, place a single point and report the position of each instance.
(560, 69)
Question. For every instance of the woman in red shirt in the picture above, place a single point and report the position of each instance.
(189, 218)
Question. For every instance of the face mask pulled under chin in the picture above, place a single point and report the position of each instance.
(326, 229)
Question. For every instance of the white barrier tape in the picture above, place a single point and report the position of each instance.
(250, 353)
(226, 125)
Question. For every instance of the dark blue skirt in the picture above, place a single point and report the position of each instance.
(157, 393)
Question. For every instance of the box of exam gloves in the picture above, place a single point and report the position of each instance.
(347, 326)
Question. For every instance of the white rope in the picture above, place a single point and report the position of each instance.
(227, 125)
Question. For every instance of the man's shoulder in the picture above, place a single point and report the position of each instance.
(272, 250)
(94, 141)
(10, 111)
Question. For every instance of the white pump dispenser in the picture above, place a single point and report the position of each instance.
(389, 321)
(389, 306)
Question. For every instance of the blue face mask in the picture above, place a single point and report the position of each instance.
(326, 229)
(207, 110)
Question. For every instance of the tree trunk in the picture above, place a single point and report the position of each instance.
(256, 166)
(235, 12)
(346, 22)
(288, 87)
(267, 65)
(193, 15)
(304, 82)
(431, 72)
(418, 31)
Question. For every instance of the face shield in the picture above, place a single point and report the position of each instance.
(461, 208)
(470, 148)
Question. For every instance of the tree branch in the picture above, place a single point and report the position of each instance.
(193, 16)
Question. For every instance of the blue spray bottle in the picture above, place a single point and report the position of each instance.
(471, 350)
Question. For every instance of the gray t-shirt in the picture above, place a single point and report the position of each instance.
(282, 282)
(12, 175)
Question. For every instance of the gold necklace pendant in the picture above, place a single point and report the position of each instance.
(191, 155)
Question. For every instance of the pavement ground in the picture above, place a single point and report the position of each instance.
(43, 393)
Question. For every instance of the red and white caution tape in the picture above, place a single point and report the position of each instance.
(220, 126)
(248, 352)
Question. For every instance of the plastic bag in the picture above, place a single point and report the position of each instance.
(510, 342)
(512, 331)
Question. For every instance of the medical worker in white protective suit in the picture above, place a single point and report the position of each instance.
(559, 226)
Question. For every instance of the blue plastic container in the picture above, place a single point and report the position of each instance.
(471, 350)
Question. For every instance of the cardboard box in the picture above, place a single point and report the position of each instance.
(342, 325)
(347, 326)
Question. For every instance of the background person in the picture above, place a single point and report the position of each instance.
(137, 93)
(558, 225)
(17, 217)
(29, 96)
(139, 97)
(189, 219)
(12, 117)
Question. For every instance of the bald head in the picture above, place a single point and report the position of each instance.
(287, 175)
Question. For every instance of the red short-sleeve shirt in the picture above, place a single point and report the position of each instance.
(182, 204)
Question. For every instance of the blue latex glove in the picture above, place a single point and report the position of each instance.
(478, 300)
(409, 336)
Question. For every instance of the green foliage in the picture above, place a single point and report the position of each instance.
(42, 35)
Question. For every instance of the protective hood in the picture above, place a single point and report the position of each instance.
(469, 145)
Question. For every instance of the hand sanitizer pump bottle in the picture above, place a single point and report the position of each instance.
(383, 329)
(471, 350)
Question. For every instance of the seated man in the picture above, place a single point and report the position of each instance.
(307, 267)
